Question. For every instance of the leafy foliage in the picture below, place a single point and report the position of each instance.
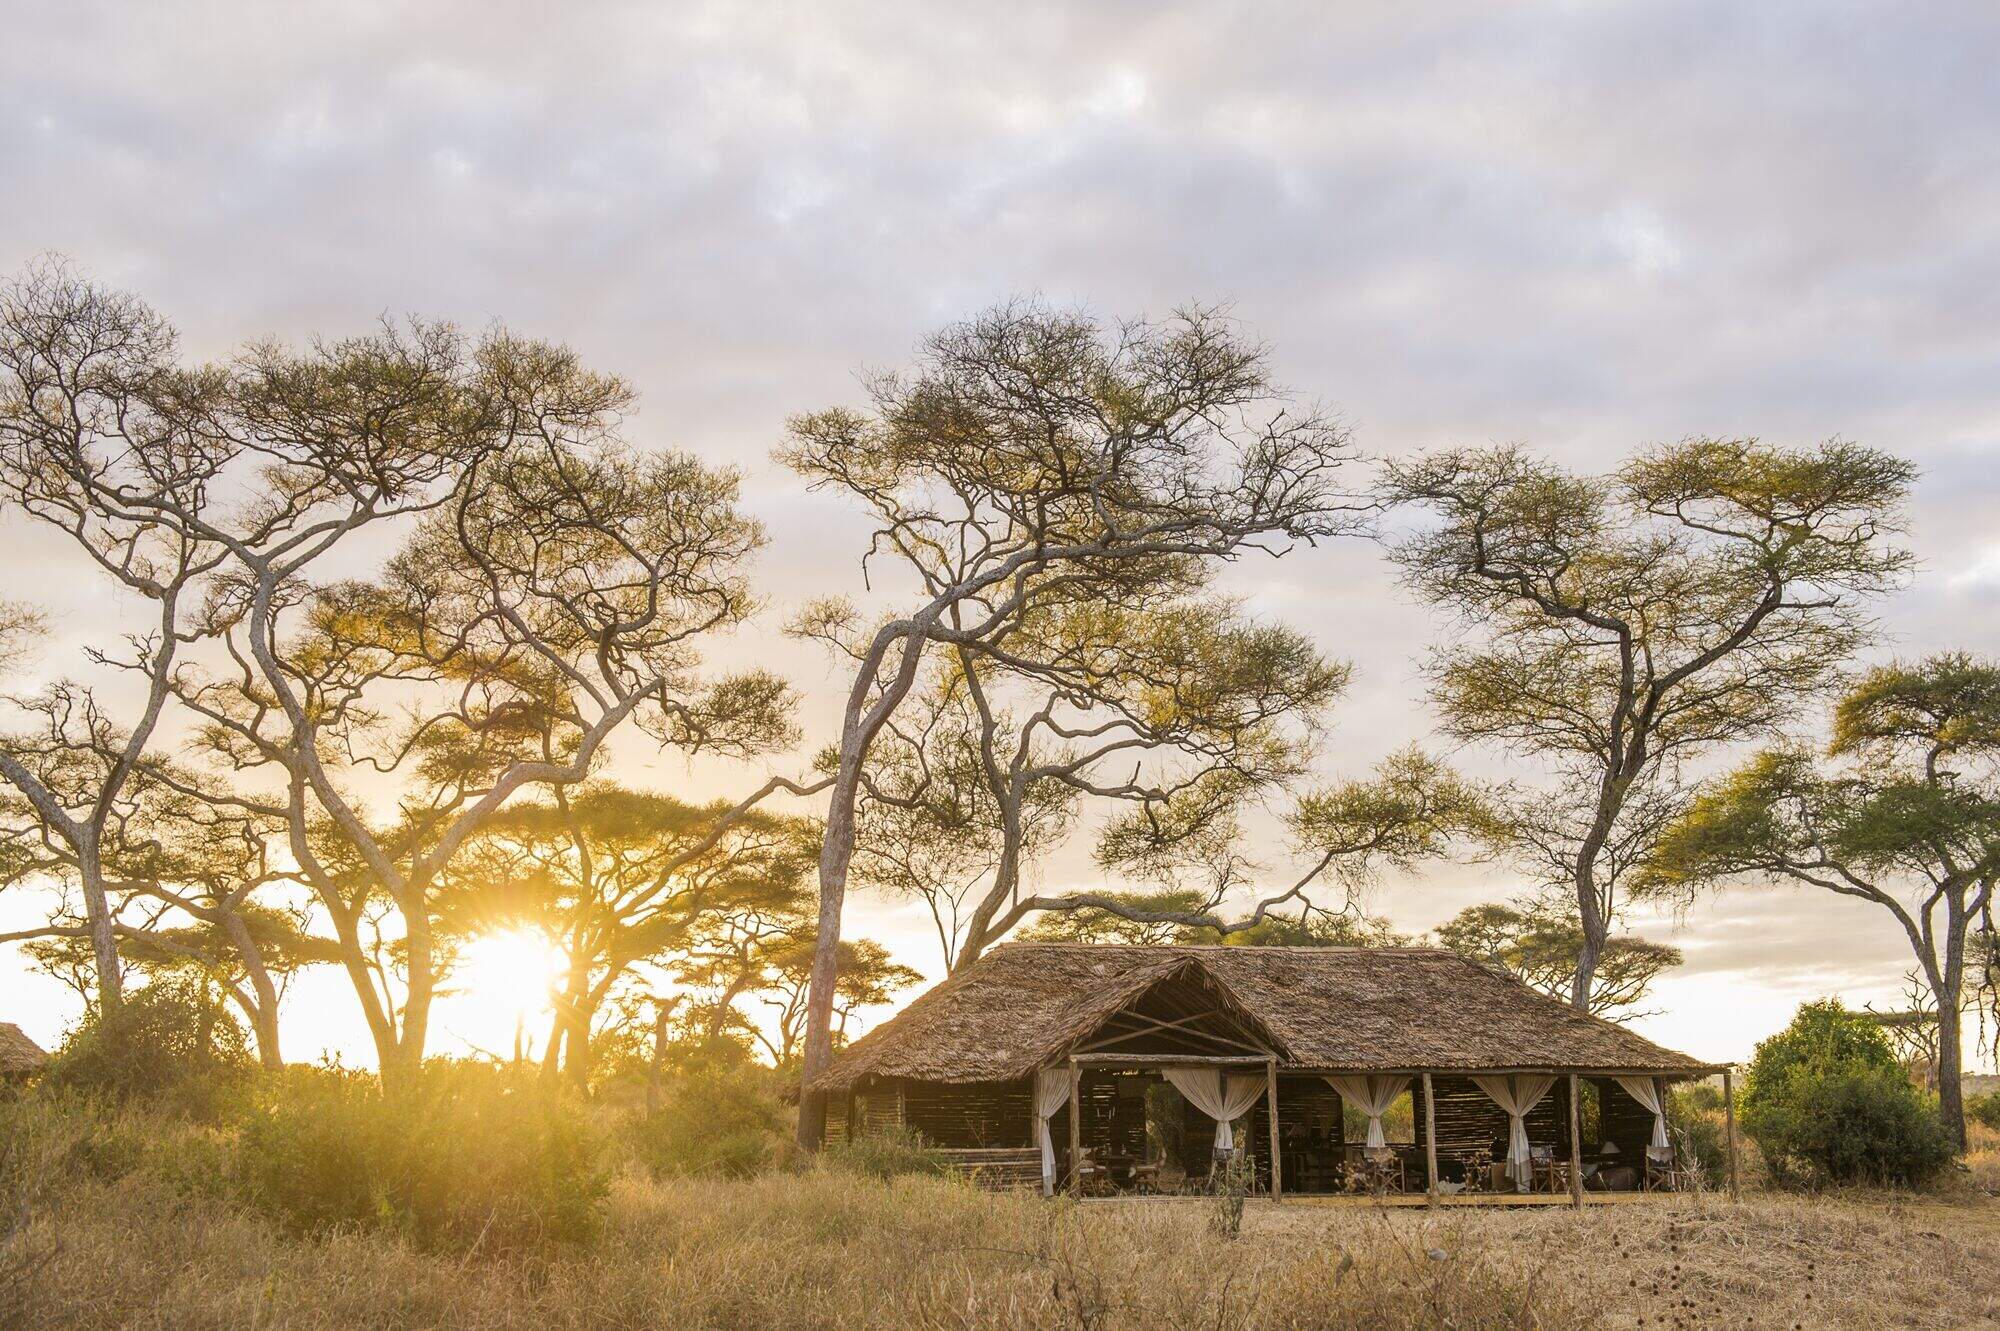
(721, 1121)
(172, 1044)
(1540, 944)
(465, 1156)
(1622, 624)
(1826, 1102)
(1903, 812)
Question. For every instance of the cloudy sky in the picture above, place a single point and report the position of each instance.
(1583, 226)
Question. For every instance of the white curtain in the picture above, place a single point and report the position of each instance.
(1372, 1096)
(1051, 1094)
(1224, 1099)
(1647, 1092)
(1517, 1095)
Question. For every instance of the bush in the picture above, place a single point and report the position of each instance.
(883, 1155)
(1699, 1133)
(469, 1156)
(172, 1045)
(1827, 1102)
(720, 1122)
(1984, 1109)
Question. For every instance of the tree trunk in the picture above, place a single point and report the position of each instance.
(575, 1013)
(354, 960)
(1950, 994)
(419, 984)
(657, 1074)
(1951, 1085)
(264, 1016)
(1594, 929)
(835, 854)
(577, 1051)
(103, 936)
(552, 1056)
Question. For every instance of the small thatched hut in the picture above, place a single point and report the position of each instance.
(1272, 1051)
(20, 1057)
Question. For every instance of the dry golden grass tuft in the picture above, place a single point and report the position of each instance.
(1982, 1157)
(826, 1250)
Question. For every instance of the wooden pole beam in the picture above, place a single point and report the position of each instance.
(1729, 1129)
(1075, 1128)
(1271, 1103)
(1430, 1143)
(1575, 1145)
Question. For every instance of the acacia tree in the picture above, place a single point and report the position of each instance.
(1904, 814)
(183, 878)
(1341, 836)
(1618, 626)
(867, 977)
(1033, 459)
(1189, 713)
(616, 879)
(104, 437)
(1538, 942)
(559, 595)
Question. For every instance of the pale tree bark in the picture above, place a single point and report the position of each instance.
(1036, 460)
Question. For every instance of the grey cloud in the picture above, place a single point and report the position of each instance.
(1586, 227)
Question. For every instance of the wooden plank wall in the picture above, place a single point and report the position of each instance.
(1468, 1120)
(878, 1108)
(969, 1115)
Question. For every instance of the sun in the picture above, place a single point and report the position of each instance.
(505, 978)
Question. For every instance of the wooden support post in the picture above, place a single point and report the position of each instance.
(1271, 1103)
(1729, 1128)
(1575, 1145)
(1075, 1128)
(1430, 1143)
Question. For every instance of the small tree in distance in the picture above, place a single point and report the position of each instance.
(1539, 944)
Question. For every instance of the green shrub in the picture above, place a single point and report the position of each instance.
(883, 1155)
(721, 1122)
(1984, 1109)
(1827, 1102)
(1699, 1134)
(172, 1045)
(468, 1156)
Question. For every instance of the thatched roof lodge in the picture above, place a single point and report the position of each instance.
(990, 1062)
(19, 1056)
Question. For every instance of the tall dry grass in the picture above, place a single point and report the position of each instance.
(1982, 1157)
(832, 1250)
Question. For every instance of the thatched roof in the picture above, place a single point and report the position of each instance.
(1026, 1005)
(18, 1054)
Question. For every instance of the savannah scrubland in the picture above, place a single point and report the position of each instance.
(105, 1237)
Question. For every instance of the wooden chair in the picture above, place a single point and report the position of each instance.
(1377, 1170)
(1545, 1172)
(1664, 1173)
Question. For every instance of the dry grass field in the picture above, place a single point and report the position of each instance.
(827, 1250)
